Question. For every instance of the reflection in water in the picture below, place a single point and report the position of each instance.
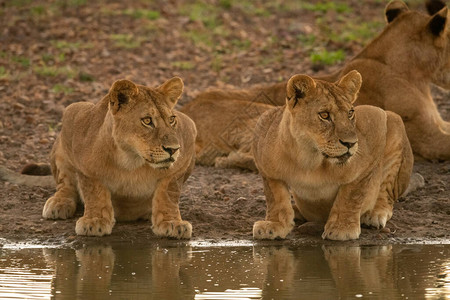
(441, 290)
(244, 293)
(275, 272)
(21, 277)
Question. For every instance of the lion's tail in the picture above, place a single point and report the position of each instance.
(415, 182)
(40, 176)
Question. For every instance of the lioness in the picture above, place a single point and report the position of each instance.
(397, 68)
(342, 165)
(126, 158)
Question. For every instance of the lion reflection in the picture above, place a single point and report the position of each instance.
(344, 271)
(98, 272)
(281, 272)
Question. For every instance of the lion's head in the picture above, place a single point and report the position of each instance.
(144, 124)
(323, 115)
(420, 39)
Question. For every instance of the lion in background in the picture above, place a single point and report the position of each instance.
(397, 68)
(343, 165)
(125, 158)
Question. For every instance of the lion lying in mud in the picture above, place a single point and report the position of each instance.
(125, 157)
(397, 68)
(343, 165)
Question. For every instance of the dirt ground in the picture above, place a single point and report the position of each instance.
(53, 53)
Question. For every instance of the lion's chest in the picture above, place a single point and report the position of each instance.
(131, 196)
(315, 191)
(131, 185)
(314, 199)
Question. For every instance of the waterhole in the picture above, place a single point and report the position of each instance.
(202, 271)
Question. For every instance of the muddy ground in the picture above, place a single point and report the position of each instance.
(53, 53)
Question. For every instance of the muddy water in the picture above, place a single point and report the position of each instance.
(200, 271)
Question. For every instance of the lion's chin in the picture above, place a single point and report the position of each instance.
(163, 164)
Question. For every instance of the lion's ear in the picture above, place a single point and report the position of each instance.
(120, 93)
(394, 9)
(433, 6)
(298, 87)
(351, 82)
(438, 22)
(172, 88)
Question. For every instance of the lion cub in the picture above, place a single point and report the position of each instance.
(343, 165)
(126, 158)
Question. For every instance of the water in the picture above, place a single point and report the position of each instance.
(245, 272)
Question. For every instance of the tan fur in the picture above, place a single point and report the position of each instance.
(121, 167)
(397, 68)
(225, 139)
(342, 168)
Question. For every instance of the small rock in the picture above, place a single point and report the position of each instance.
(18, 106)
(385, 230)
(30, 156)
(29, 119)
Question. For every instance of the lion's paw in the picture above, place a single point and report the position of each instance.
(94, 226)
(377, 217)
(341, 231)
(59, 208)
(268, 230)
(174, 229)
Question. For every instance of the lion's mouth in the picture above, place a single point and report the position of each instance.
(169, 160)
(341, 158)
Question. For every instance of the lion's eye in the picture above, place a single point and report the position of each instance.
(172, 120)
(324, 115)
(351, 114)
(147, 121)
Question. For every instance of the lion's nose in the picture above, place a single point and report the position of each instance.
(171, 150)
(347, 144)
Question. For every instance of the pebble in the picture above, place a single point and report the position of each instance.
(29, 119)
(18, 106)
(30, 156)
(385, 230)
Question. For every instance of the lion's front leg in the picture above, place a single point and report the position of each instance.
(166, 217)
(344, 219)
(279, 215)
(98, 218)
